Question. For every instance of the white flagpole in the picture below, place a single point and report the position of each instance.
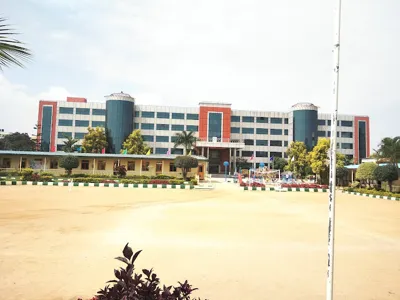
(332, 158)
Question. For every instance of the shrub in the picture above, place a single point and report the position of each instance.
(185, 162)
(373, 192)
(355, 184)
(3, 173)
(341, 174)
(163, 177)
(46, 174)
(132, 286)
(159, 181)
(193, 181)
(26, 174)
(69, 162)
(80, 175)
(34, 177)
(121, 171)
(365, 172)
(387, 173)
(176, 181)
(45, 178)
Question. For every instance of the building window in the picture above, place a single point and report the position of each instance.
(347, 134)
(273, 131)
(162, 138)
(275, 143)
(46, 127)
(261, 142)
(285, 143)
(347, 123)
(214, 125)
(192, 128)
(347, 145)
(148, 138)
(162, 115)
(247, 153)
(98, 112)
(159, 167)
(23, 163)
(80, 135)
(64, 135)
(286, 131)
(161, 150)
(173, 138)
(66, 110)
(145, 166)
(147, 126)
(286, 121)
(172, 167)
(262, 131)
(98, 124)
(176, 151)
(329, 133)
(175, 127)
(82, 111)
(84, 164)
(101, 165)
(235, 130)
(322, 122)
(81, 123)
(329, 122)
(62, 122)
(248, 142)
(262, 120)
(6, 163)
(192, 116)
(261, 153)
(137, 113)
(178, 116)
(275, 154)
(248, 119)
(136, 126)
(235, 118)
(131, 166)
(321, 133)
(276, 120)
(247, 130)
(162, 126)
(60, 147)
(147, 114)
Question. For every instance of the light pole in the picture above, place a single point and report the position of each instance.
(332, 159)
(226, 164)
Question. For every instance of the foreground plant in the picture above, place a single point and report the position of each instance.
(132, 286)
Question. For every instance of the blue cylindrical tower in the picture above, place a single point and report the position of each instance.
(119, 119)
(305, 124)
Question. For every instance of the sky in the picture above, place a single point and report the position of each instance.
(256, 55)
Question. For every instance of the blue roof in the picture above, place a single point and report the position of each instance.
(95, 155)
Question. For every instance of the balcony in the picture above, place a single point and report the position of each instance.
(220, 143)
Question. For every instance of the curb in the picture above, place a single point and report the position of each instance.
(116, 185)
(372, 196)
(254, 188)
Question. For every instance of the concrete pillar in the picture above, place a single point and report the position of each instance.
(94, 165)
(234, 159)
(230, 160)
(202, 151)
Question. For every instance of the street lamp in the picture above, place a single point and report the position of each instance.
(226, 164)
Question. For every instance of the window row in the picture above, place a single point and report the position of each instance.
(260, 120)
(249, 142)
(261, 154)
(343, 134)
(82, 111)
(166, 115)
(81, 123)
(272, 131)
(339, 123)
(173, 127)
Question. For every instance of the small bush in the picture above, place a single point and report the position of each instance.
(34, 177)
(79, 175)
(132, 286)
(372, 192)
(355, 184)
(46, 174)
(45, 178)
(193, 181)
(163, 177)
(176, 181)
(121, 171)
(26, 174)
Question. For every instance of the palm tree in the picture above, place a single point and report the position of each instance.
(389, 148)
(12, 51)
(69, 144)
(185, 139)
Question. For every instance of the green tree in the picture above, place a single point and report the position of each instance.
(95, 140)
(279, 163)
(17, 142)
(341, 175)
(387, 173)
(69, 162)
(340, 160)
(185, 139)
(185, 162)
(12, 51)
(389, 148)
(242, 163)
(297, 159)
(318, 159)
(365, 172)
(134, 143)
(69, 144)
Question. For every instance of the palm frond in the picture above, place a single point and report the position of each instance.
(12, 51)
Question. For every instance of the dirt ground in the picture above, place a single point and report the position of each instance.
(231, 244)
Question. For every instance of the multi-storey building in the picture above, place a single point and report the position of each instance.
(224, 134)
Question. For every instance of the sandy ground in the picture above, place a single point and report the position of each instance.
(231, 244)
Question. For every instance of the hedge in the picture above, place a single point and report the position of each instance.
(372, 192)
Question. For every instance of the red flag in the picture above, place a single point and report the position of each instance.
(103, 151)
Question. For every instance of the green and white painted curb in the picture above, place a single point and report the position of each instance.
(116, 185)
(254, 188)
(372, 196)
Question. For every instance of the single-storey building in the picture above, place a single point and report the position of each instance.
(100, 164)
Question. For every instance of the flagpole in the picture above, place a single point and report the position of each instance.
(332, 158)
